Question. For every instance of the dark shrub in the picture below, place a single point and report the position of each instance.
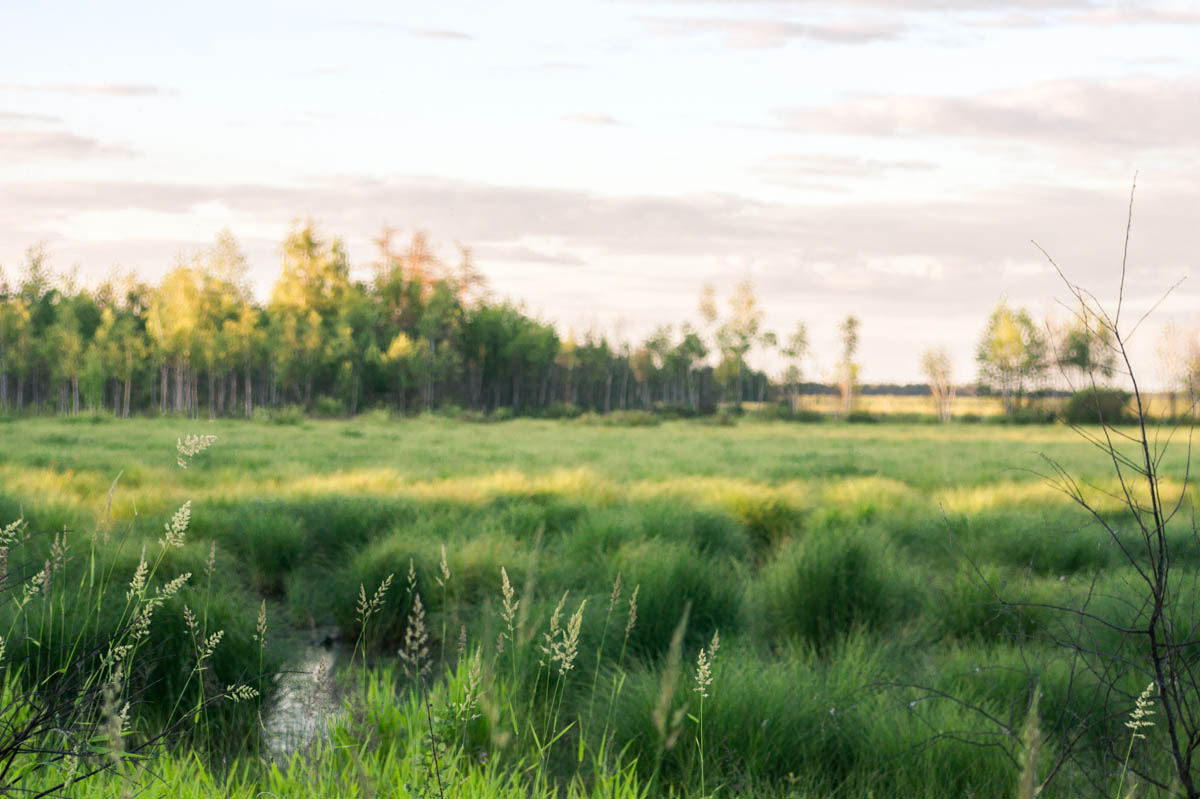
(1096, 405)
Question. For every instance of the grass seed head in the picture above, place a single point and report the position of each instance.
(1139, 716)
(190, 446)
(176, 529)
(415, 652)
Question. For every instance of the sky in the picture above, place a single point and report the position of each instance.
(894, 159)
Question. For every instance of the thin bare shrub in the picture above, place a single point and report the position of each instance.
(1126, 637)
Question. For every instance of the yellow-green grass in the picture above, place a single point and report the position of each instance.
(1156, 404)
(829, 557)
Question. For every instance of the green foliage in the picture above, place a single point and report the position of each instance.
(286, 415)
(831, 584)
(673, 578)
(1011, 354)
(623, 419)
(828, 557)
(1096, 406)
(328, 407)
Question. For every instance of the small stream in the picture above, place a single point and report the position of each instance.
(307, 699)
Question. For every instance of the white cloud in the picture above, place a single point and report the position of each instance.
(56, 145)
(754, 34)
(1079, 113)
(592, 118)
(97, 89)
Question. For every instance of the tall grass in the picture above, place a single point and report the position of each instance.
(827, 560)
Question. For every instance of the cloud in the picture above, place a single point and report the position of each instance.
(21, 116)
(970, 234)
(908, 5)
(1132, 113)
(788, 169)
(753, 34)
(592, 118)
(54, 145)
(95, 89)
(522, 254)
(1138, 15)
(1095, 15)
(442, 33)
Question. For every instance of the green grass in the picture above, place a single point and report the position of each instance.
(832, 559)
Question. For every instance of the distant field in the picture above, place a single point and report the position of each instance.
(1157, 404)
(828, 556)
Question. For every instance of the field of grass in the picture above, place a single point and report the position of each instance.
(1156, 404)
(836, 562)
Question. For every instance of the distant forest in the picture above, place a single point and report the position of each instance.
(420, 335)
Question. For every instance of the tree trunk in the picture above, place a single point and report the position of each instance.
(178, 385)
(74, 395)
(128, 390)
(249, 396)
(608, 391)
(211, 393)
(20, 393)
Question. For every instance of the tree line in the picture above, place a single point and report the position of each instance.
(419, 334)
(422, 333)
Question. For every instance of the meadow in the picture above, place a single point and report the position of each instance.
(764, 608)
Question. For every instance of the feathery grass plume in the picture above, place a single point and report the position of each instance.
(704, 679)
(367, 607)
(616, 593)
(139, 625)
(631, 620)
(1141, 710)
(37, 583)
(1138, 721)
(210, 565)
(11, 532)
(1031, 747)
(443, 581)
(704, 666)
(58, 551)
(137, 586)
(176, 529)
(550, 647)
(568, 648)
(3, 645)
(412, 578)
(240, 693)
(444, 568)
(172, 588)
(204, 652)
(9, 535)
(189, 618)
(190, 446)
(260, 627)
(511, 603)
(462, 641)
(415, 652)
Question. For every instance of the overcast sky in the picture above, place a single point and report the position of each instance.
(890, 158)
